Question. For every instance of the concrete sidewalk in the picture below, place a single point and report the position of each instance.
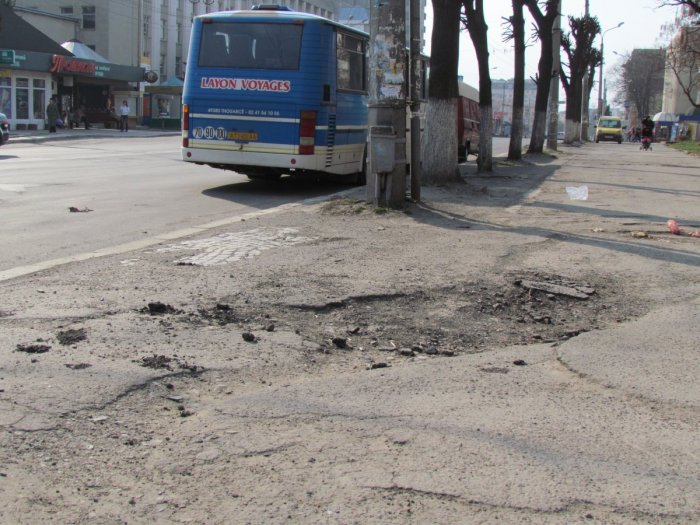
(39, 136)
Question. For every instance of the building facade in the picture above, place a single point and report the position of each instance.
(34, 68)
(502, 102)
(683, 73)
(149, 33)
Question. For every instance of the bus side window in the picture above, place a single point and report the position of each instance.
(350, 57)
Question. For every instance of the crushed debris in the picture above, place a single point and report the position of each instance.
(158, 362)
(78, 366)
(72, 336)
(249, 337)
(158, 308)
(557, 289)
(33, 348)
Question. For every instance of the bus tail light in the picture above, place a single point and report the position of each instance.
(307, 132)
(185, 125)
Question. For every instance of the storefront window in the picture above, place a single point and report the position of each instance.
(38, 91)
(163, 107)
(22, 98)
(6, 96)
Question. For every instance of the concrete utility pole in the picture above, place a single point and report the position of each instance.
(416, 85)
(584, 97)
(386, 183)
(553, 125)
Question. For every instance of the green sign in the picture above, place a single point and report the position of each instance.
(7, 57)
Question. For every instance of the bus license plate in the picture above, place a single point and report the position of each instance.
(242, 135)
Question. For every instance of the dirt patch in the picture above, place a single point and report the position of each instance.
(461, 318)
(344, 207)
(221, 314)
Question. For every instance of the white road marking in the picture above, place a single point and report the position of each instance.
(19, 271)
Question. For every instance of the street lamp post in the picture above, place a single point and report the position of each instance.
(600, 71)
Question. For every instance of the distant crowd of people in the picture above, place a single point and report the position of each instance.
(71, 117)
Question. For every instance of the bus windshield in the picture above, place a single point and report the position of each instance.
(250, 45)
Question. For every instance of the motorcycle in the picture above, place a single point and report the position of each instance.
(4, 129)
(647, 137)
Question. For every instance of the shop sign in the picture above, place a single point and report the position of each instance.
(62, 64)
(7, 57)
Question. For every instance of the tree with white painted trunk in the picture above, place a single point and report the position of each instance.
(475, 23)
(440, 136)
(578, 48)
(515, 31)
(544, 27)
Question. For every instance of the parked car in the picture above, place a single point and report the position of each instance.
(609, 128)
(4, 129)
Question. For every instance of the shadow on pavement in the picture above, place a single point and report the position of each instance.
(444, 219)
(275, 192)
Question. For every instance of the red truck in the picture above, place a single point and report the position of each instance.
(468, 122)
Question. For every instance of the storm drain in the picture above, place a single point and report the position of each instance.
(230, 247)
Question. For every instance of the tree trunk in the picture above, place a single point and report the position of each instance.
(578, 45)
(485, 160)
(440, 142)
(515, 148)
(478, 32)
(440, 136)
(585, 124)
(573, 112)
(545, 23)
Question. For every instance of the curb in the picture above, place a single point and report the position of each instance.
(58, 136)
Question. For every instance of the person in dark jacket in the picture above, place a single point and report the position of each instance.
(52, 115)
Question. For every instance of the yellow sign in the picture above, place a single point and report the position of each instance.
(242, 135)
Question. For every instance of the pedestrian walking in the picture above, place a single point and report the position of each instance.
(124, 112)
(52, 115)
(82, 117)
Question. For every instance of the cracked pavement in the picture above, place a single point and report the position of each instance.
(493, 401)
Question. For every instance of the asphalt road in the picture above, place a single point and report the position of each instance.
(136, 189)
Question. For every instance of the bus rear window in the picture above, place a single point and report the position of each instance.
(250, 45)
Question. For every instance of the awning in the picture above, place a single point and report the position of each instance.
(80, 50)
(665, 118)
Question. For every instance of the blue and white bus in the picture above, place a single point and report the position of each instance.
(270, 92)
